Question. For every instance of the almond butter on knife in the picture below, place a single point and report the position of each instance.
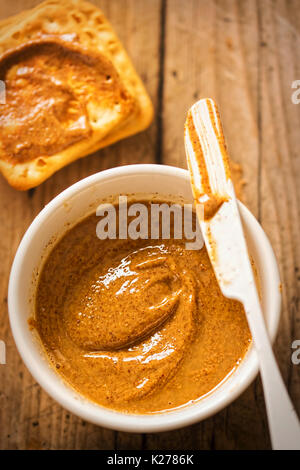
(223, 234)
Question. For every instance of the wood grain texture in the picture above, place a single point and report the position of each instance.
(245, 54)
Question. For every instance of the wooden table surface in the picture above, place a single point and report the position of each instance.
(245, 54)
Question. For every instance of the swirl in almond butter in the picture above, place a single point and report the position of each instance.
(136, 325)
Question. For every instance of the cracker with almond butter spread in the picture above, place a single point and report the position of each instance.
(71, 89)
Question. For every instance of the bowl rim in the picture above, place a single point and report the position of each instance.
(106, 417)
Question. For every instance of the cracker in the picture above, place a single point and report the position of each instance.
(99, 96)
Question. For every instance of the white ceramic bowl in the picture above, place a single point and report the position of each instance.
(67, 208)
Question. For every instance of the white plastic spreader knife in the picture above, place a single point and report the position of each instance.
(220, 222)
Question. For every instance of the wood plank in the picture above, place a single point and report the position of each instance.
(211, 50)
(29, 418)
(280, 162)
